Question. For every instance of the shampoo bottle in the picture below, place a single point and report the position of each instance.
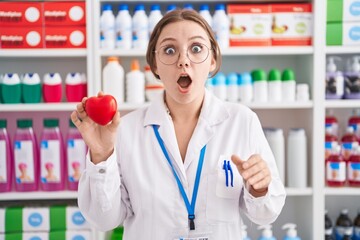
(267, 233)
(334, 80)
(335, 168)
(31, 88)
(6, 160)
(343, 224)
(11, 88)
(352, 78)
(291, 233)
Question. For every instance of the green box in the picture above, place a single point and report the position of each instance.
(334, 12)
(334, 33)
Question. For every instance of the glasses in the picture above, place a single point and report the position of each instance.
(196, 53)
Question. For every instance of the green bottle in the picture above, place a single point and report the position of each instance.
(31, 88)
(11, 88)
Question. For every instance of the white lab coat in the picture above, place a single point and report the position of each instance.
(136, 186)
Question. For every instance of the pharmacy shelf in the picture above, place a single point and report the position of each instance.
(342, 191)
(342, 103)
(281, 105)
(299, 191)
(343, 50)
(38, 195)
(52, 107)
(31, 53)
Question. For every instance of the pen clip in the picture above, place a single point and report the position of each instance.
(225, 167)
(231, 173)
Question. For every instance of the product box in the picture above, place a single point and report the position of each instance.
(250, 24)
(21, 14)
(75, 220)
(65, 37)
(25, 236)
(2, 220)
(343, 33)
(292, 24)
(64, 14)
(343, 11)
(70, 235)
(21, 37)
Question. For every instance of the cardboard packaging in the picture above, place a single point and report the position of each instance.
(343, 33)
(65, 37)
(64, 14)
(343, 11)
(21, 14)
(21, 37)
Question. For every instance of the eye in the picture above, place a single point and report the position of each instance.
(169, 50)
(196, 48)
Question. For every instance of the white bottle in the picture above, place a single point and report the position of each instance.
(204, 11)
(245, 87)
(275, 138)
(219, 85)
(274, 86)
(140, 26)
(232, 87)
(296, 158)
(221, 26)
(288, 86)
(135, 84)
(267, 233)
(302, 92)
(153, 86)
(260, 85)
(291, 233)
(123, 27)
(154, 17)
(113, 79)
(107, 28)
(243, 233)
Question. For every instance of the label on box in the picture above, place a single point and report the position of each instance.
(351, 11)
(21, 37)
(78, 235)
(36, 219)
(35, 236)
(74, 219)
(250, 24)
(351, 33)
(64, 13)
(20, 14)
(292, 24)
(68, 37)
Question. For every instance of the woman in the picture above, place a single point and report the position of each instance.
(187, 165)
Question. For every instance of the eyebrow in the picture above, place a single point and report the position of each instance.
(174, 39)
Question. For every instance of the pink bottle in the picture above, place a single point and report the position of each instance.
(52, 88)
(354, 121)
(76, 153)
(335, 168)
(330, 141)
(331, 121)
(349, 142)
(26, 157)
(5, 159)
(52, 157)
(353, 168)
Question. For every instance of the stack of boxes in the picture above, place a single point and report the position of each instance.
(43, 223)
(42, 25)
(343, 22)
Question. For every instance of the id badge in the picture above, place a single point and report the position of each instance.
(200, 233)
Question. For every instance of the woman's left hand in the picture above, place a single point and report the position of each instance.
(255, 173)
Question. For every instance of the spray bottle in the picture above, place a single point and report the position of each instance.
(244, 233)
(267, 233)
(352, 77)
(334, 80)
(291, 233)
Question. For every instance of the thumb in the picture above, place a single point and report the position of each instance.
(238, 162)
(115, 122)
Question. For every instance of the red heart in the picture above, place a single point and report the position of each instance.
(101, 109)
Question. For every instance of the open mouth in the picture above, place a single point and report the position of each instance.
(184, 82)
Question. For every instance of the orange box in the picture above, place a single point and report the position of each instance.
(250, 24)
(21, 14)
(64, 14)
(65, 37)
(292, 24)
(21, 37)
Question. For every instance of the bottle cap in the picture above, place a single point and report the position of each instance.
(135, 66)
(288, 75)
(107, 7)
(188, 6)
(113, 59)
(232, 79)
(219, 79)
(219, 7)
(51, 122)
(171, 7)
(24, 123)
(267, 232)
(258, 75)
(244, 79)
(274, 75)
(139, 7)
(155, 7)
(3, 123)
(204, 7)
(291, 230)
(123, 7)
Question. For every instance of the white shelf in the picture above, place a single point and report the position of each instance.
(342, 191)
(37, 107)
(355, 103)
(43, 53)
(281, 105)
(299, 191)
(38, 195)
(343, 50)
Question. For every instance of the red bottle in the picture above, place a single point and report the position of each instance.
(348, 143)
(354, 121)
(330, 120)
(330, 140)
(335, 168)
(353, 168)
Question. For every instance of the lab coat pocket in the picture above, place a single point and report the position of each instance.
(224, 189)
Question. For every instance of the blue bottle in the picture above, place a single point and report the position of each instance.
(244, 235)
(291, 233)
(267, 233)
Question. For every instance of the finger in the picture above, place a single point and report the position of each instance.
(238, 163)
(258, 177)
(253, 170)
(82, 114)
(75, 119)
(263, 184)
(100, 93)
(115, 121)
(253, 160)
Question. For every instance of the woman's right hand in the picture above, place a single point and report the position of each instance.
(99, 139)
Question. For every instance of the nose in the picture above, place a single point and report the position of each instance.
(183, 60)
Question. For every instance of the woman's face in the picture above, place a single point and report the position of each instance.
(184, 80)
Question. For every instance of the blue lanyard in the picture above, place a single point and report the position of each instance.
(190, 207)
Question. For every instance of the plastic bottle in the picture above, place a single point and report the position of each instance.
(1, 81)
(245, 87)
(107, 27)
(302, 92)
(221, 26)
(140, 24)
(343, 225)
(135, 84)
(153, 86)
(232, 87)
(335, 168)
(74, 87)
(328, 227)
(352, 76)
(349, 142)
(52, 87)
(154, 17)
(275, 138)
(330, 141)
(244, 233)
(26, 157)
(188, 6)
(204, 11)
(219, 85)
(6, 158)
(334, 80)
(347, 235)
(291, 233)
(356, 235)
(288, 86)
(297, 158)
(331, 120)
(11, 88)
(113, 79)
(31, 88)
(76, 154)
(123, 27)
(354, 121)
(274, 86)
(353, 168)
(266, 233)
(52, 157)
(260, 85)
(170, 7)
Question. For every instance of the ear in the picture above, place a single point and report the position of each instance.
(212, 64)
